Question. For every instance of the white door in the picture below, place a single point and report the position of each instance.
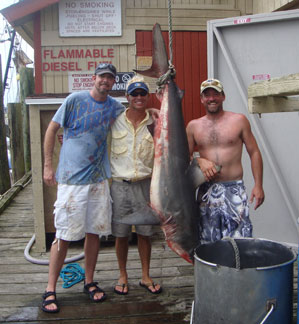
(242, 50)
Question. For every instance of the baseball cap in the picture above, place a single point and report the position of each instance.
(137, 85)
(103, 68)
(211, 83)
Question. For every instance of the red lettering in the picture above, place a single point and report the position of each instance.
(79, 54)
(70, 54)
(46, 53)
(64, 66)
(56, 66)
(88, 53)
(91, 65)
(77, 67)
(96, 53)
(46, 67)
(52, 55)
(110, 52)
(102, 54)
(61, 54)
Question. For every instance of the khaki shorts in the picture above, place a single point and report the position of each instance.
(128, 199)
(81, 209)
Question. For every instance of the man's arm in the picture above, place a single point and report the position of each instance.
(256, 164)
(190, 137)
(49, 142)
(207, 167)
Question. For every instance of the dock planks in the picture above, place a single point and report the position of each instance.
(22, 283)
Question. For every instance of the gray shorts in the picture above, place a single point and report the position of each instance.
(130, 199)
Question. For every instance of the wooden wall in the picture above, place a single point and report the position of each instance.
(137, 15)
(264, 6)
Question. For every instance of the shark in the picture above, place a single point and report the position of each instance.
(174, 178)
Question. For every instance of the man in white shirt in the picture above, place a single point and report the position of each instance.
(131, 159)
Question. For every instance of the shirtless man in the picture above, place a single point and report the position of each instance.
(219, 137)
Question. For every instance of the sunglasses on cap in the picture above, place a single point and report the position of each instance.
(105, 65)
(212, 82)
(137, 93)
(106, 68)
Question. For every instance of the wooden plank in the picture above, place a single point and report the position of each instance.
(285, 86)
(7, 198)
(5, 176)
(178, 13)
(15, 120)
(51, 38)
(261, 105)
(34, 114)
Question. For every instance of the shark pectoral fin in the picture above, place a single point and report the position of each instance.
(196, 175)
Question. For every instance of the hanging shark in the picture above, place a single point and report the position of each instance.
(174, 178)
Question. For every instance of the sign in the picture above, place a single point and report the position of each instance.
(261, 77)
(79, 18)
(83, 81)
(144, 63)
(75, 59)
(121, 80)
(242, 21)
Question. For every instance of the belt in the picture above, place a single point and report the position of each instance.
(129, 181)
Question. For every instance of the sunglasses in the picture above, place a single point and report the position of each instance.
(109, 66)
(211, 82)
(141, 93)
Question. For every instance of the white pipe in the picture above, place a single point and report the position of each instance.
(46, 262)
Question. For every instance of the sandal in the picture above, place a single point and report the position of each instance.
(50, 301)
(122, 286)
(91, 293)
(151, 284)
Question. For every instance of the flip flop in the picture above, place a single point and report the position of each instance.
(151, 284)
(121, 292)
(49, 301)
(91, 293)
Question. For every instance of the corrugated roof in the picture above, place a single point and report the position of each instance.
(22, 9)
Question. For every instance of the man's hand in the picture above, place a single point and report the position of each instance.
(49, 176)
(259, 196)
(154, 113)
(208, 168)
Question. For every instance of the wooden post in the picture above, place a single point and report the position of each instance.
(26, 89)
(16, 140)
(4, 169)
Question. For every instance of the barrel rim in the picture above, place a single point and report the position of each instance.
(256, 268)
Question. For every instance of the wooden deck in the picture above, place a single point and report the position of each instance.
(22, 283)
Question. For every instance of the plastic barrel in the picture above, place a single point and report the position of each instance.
(243, 281)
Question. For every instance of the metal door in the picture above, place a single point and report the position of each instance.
(241, 50)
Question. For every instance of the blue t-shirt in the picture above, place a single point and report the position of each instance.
(86, 122)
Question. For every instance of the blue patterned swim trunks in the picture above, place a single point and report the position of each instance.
(224, 211)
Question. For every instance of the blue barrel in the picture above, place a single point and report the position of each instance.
(243, 281)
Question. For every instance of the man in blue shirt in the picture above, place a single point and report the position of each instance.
(83, 205)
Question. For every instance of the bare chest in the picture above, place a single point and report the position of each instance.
(219, 135)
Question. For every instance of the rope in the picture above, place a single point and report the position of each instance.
(170, 74)
(170, 32)
(71, 274)
(236, 249)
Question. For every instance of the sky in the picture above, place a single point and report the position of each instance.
(11, 93)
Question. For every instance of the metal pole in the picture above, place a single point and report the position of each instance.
(12, 41)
